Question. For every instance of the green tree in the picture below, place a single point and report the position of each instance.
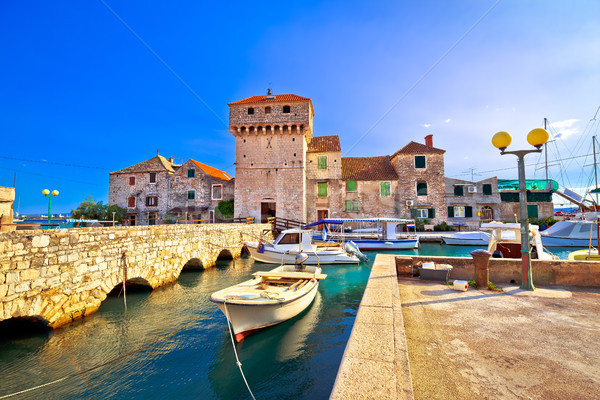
(90, 209)
(226, 207)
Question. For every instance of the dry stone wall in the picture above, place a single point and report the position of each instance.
(64, 274)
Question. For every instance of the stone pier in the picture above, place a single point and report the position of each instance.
(62, 275)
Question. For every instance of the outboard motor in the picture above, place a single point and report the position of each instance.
(352, 248)
(300, 258)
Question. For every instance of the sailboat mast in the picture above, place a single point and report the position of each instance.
(546, 151)
(595, 169)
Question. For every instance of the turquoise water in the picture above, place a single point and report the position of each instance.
(185, 346)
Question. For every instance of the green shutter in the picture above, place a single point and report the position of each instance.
(458, 190)
(322, 162)
(431, 213)
(348, 205)
(351, 186)
(468, 212)
(191, 173)
(355, 205)
(413, 213)
(532, 210)
(191, 195)
(385, 188)
(322, 189)
(450, 212)
(419, 161)
(487, 189)
(421, 188)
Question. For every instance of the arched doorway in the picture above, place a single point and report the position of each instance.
(487, 214)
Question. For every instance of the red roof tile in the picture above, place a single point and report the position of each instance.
(321, 144)
(418, 148)
(215, 173)
(368, 168)
(270, 99)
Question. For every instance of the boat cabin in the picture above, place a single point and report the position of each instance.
(294, 239)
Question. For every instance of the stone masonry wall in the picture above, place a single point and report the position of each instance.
(120, 190)
(7, 197)
(64, 274)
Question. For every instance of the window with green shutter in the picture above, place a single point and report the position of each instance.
(348, 205)
(532, 210)
(191, 194)
(322, 189)
(487, 189)
(468, 212)
(458, 190)
(354, 205)
(322, 162)
(421, 188)
(351, 186)
(431, 213)
(191, 173)
(450, 212)
(386, 189)
(420, 162)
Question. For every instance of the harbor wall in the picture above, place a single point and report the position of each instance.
(502, 270)
(62, 275)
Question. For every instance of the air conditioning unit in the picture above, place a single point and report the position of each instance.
(472, 189)
(410, 203)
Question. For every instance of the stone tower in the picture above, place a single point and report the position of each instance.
(272, 135)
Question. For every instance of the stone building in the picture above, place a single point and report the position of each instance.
(7, 198)
(471, 203)
(283, 171)
(160, 189)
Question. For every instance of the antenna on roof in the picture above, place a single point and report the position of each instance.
(157, 151)
(269, 91)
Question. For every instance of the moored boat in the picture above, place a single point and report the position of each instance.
(269, 298)
(505, 241)
(467, 239)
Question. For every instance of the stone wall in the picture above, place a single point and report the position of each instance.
(7, 197)
(502, 270)
(64, 274)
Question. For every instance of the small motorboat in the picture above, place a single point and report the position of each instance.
(269, 298)
(505, 241)
(467, 239)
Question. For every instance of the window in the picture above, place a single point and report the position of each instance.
(422, 213)
(459, 211)
(458, 190)
(289, 238)
(532, 210)
(286, 109)
(421, 188)
(250, 111)
(151, 201)
(322, 164)
(322, 189)
(217, 192)
(351, 186)
(385, 188)
(131, 201)
(132, 181)
(191, 173)
(487, 189)
(191, 195)
(267, 110)
(351, 205)
(152, 177)
(420, 162)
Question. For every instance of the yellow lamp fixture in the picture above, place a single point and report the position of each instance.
(55, 192)
(46, 192)
(537, 137)
(502, 140)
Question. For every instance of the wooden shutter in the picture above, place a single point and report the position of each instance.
(431, 213)
(419, 161)
(487, 189)
(131, 180)
(468, 212)
(450, 212)
(413, 213)
(131, 201)
(458, 190)
(351, 186)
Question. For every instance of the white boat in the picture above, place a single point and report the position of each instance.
(291, 242)
(571, 233)
(379, 233)
(505, 241)
(269, 298)
(467, 239)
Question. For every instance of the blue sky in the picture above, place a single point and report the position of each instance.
(79, 87)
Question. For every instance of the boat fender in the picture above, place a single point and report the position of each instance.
(497, 254)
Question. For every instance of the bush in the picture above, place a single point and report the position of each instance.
(443, 227)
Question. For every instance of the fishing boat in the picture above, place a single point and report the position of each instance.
(591, 253)
(575, 232)
(269, 298)
(291, 242)
(367, 233)
(467, 239)
(505, 241)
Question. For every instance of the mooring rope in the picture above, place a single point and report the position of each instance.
(239, 364)
(74, 374)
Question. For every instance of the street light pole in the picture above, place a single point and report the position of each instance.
(537, 138)
(46, 193)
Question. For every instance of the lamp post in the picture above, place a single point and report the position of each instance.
(537, 137)
(47, 194)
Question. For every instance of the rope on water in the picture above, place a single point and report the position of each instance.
(237, 360)
(74, 374)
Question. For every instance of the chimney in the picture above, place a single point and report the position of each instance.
(171, 160)
(157, 152)
(429, 140)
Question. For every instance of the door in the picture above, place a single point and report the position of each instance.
(152, 218)
(267, 210)
(487, 214)
(321, 214)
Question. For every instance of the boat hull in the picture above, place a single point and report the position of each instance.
(248, 318)
(556, 241)
(271, 256)
(584, 255)
(399, 244)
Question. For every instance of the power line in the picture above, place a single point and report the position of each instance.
(54, 163)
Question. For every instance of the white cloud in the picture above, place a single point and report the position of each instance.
(448, 121)
(426, 125)
(565, 128)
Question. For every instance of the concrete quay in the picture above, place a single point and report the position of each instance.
(423, 340)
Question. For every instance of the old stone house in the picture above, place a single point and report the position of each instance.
(283, 170)
(158, 189)
(471, 203)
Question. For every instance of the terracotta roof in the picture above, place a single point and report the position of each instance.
(215, 173)
(418, 148)
(270, 99)
(368, 168)
(321, 144)
(154, 164)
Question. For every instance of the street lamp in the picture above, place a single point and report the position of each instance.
(47, 194)
(537, 137)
